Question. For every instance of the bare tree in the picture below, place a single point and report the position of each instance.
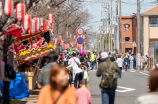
(68, 15)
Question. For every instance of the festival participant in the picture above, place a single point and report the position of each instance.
(92, 60)
(83, 94)
(57, 92)
(43, 78)
(119, 62)
(109, 72)
(74, 63)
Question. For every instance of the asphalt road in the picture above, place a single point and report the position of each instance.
(131, 85)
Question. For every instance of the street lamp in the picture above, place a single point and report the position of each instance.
(126, 26)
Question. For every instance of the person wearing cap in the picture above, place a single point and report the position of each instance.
(109, 72)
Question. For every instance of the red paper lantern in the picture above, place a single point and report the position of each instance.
(60, 38)
(68, 46)
(66, 34)
(27, 22)
(37, 24)
(44, 26)
(61, 43)
(41, 24)
(20, 11)
(71, 44)
(31, 32)
(8, 7)
(47, 25)
(56, 41)
(70, 36)
(51, 18)
(64, 46)
(33, 27)
(74, 36)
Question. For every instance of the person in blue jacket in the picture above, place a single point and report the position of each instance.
(126, 63)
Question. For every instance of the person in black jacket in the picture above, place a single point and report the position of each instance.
(81, 58)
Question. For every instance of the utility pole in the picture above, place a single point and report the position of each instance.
(111, 29)
(117, 24)
(138, 35)
(120, 27)
(106, 30)
(109, 23)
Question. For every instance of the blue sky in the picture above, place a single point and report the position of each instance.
(128, 8)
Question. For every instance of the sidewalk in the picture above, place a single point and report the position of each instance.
(32, 99)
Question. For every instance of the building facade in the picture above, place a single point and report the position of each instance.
(150, 28)
(129, 36)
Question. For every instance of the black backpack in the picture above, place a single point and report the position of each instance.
(9, 72)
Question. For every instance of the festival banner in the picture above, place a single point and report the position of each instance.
(32, 45)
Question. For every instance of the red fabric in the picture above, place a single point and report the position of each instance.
(15, 31)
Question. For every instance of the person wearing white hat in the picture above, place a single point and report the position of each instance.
(109, 72)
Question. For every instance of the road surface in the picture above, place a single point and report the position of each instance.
(131, 85)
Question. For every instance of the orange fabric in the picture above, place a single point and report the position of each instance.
(68, 97)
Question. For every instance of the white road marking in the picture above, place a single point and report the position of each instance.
(145, 73)
(132, 71)
(125, 89)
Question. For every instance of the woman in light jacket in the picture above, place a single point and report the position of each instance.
(119, 62)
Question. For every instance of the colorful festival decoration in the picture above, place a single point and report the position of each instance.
(60, 38)
(20, 11)
(61, 43)
(56, 41)
(66, 34)
(71, 44)
(33, 27)
(64, 46)
(68, 46)
(41, 24)
(70, 36)
(8, 7)
(27, 22)
(51, 18)
(74, 37)
(37, 25)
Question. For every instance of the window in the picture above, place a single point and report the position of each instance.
(154, 21)
(127, 39)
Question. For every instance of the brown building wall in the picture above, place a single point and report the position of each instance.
(131, 33)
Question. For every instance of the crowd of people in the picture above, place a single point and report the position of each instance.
(64, 77)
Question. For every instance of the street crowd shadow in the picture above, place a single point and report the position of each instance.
(96, 96)
(35, 92)
(22, 102)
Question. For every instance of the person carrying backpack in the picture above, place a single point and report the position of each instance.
(109, 72)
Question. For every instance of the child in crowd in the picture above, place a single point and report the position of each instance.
(83, 94)
(85, 73)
